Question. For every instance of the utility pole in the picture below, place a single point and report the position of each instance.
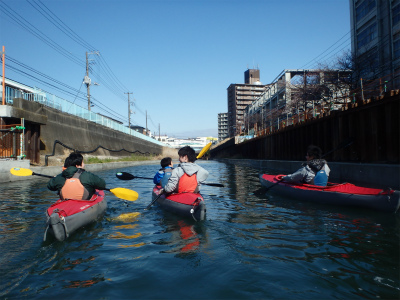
(362, 90)
(3, 56)
(129, 110)
(159, 135)
(146, 123)
(87, 79)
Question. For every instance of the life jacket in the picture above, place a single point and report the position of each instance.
(188, 184)
(167, 175)
(321, 178)
(73, 188)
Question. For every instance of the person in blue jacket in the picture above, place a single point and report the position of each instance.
(162, 176)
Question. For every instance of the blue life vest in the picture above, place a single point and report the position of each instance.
(167, 175)
(321, 178)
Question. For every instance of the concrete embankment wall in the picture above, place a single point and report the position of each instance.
(84, 135)
(74, 132)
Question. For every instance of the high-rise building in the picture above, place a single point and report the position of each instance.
(375, 36)
(241, 95)
(222, 126)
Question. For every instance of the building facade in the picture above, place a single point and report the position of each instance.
(222, 126)
(375, 36)
(296, 91)
(239, 97)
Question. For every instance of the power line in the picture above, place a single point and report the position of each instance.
(36, 32)
(58, 23)
(315, 59)
(63, 91)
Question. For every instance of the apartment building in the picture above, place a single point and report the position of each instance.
(239, 97)
(222, 126)
(289, 86)
(375, 36)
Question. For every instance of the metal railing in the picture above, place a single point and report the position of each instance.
(73, 109)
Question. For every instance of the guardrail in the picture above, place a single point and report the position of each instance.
(73, 109)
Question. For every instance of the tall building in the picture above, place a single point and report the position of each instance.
(375, 36)
(241, 95)
(276, 103)
(222, 126)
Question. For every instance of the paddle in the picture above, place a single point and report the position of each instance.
(276, 183)
(344, 144)
(122, 193)
(204, 150)
(155, 199)
(129, 176)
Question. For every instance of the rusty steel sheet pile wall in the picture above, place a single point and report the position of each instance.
(371, 128)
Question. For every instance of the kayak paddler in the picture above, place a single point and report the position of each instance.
(314, 171)
(74, 182)
(188, 176)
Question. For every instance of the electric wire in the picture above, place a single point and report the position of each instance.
(317, 57)
(82, 96)
(58, 23)
(19, 20)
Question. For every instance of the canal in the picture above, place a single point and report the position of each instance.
(252, 245)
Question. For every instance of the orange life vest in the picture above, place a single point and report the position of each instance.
(188, 184)
(73, 188)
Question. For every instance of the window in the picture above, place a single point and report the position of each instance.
(364, 8)
(367, 35)
(369, 63)
(396, 14)
(396, 49)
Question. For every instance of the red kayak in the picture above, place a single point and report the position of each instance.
(190, 205)
(337, 194)
(65, 216)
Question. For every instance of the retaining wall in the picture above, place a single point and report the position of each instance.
(45, 125)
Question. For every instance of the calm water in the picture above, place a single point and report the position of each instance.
(251, 246)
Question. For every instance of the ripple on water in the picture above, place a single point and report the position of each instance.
(252, 245)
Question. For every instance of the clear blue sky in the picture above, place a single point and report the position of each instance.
(176, 57)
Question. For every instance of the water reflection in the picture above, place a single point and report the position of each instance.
(128, 218)
(84, 283)
(252, 245)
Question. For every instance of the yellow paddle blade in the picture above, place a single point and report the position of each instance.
(204, 150)
(20, 171)
(125, 194)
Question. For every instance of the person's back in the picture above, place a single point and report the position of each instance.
(74, 182)
(321, 178)
(162, 176)
(188, 175)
